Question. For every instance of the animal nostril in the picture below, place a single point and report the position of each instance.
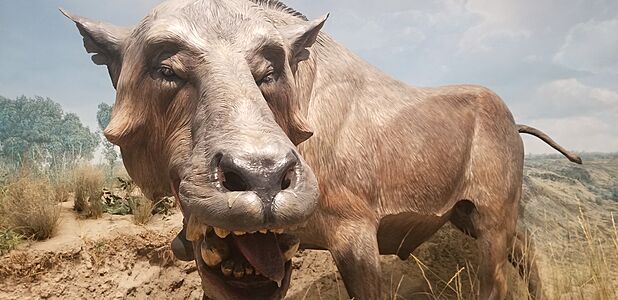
(266, 175)
(234, 182)
(287, 179)
(231, 175)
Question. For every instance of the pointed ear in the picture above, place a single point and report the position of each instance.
(104, 40)
(302, 37)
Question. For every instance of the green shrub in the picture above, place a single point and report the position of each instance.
(9, 239)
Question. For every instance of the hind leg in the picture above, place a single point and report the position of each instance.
(492, 237)
(523, 258)
(492, 243)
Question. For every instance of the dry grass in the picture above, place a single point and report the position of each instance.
(62, 191)
(451, 288)
(63, 185)
(142, 209)
(592, 275)
(27, 207)
(88, 185)
(598, 259)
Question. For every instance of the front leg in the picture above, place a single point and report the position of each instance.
(354, 248)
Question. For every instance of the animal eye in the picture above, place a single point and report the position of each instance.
(269, 78)
(167, 72)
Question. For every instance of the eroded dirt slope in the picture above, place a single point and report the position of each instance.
(111, 258)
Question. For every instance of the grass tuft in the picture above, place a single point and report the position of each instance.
(28, 208)
(88, 185)
(142, 209)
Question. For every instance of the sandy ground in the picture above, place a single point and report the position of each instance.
(111, 258)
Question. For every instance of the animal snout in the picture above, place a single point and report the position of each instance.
(266, 174)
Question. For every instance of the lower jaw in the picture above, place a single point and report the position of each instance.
(217, 288)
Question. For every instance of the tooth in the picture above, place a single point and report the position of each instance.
(278, 230)
(264, 231)
(239, 270)
(195, 230)
(220, 232)
(248, 270)
(239, 232)
(214, 251)
(227, 267)
(291, 251)
(288, 245)
(210, 256)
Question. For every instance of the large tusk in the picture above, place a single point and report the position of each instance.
(195, 229)
(214, 251)
(210, 256)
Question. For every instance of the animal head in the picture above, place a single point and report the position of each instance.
(208, 107)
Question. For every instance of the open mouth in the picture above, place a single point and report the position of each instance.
(244, 265)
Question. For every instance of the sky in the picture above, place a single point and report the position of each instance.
(554, 62)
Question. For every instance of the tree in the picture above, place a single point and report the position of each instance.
(37, 130)
(109, 152)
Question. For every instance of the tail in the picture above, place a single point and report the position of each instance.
(533, 131)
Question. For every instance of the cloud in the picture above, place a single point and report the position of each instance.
(570, 97)
(578, 116)
(522, 49)
(591, 46)
(384, 32)
(498, 21)
(578, 133)
(394, 28)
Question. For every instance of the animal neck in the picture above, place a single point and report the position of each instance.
(332, 79)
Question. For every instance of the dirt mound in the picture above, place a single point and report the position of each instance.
(568, 209)
(109, 258)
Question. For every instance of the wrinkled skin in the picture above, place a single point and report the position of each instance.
(212, 98)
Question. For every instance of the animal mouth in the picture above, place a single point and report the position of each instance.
(243, 265)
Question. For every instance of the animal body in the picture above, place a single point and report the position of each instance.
(272, 136)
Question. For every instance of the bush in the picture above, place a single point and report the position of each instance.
(9, 239)
(27, 206)
(88, 186)
(62, 190)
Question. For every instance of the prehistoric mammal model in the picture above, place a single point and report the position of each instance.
(268, 132)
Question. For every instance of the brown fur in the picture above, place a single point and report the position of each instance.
(393, 162)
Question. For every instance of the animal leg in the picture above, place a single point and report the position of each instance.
(492, 243)
(523, 258)
(355, 251)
